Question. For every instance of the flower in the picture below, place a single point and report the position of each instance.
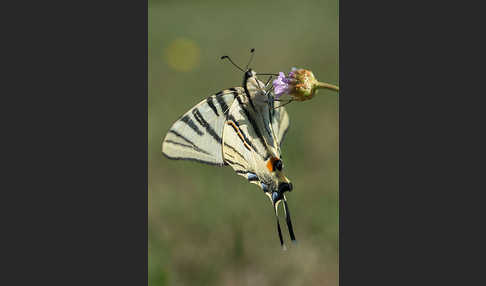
(281, 85)
(300, 85)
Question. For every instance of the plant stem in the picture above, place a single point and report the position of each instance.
(327, 86)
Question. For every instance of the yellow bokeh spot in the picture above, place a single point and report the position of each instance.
(182, 54)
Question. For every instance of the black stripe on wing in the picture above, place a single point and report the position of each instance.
(193, 159)
(199, 118)
(245, 81)
(234, 150)
(187, 146)
(194, 146)
(210, 102)
(224, 106)
(187, 120)
(266, 124)
(235, 163)
(252, 122)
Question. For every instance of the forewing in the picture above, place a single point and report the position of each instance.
(197, 135)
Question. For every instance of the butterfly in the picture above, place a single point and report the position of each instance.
(242, 127)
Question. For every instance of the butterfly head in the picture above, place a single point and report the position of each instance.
(250, 73)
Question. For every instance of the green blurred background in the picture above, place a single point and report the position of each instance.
(208, 226)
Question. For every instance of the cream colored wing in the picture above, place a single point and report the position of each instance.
(197, 135)
(243, 148)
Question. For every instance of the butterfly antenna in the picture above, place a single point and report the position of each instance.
(252, 51)
(289, 222)
(229, 59)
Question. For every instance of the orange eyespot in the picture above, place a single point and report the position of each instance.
(270, 165)
(274, 163)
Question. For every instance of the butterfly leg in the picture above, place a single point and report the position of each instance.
(268, 81)
(290, 100)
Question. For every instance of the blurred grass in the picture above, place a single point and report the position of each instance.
(208, 226)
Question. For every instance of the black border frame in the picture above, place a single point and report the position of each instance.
(77, 218)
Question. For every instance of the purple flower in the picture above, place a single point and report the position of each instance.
(281, 85)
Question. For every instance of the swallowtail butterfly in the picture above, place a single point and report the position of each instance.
(242, 127)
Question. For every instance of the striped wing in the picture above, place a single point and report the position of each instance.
(197, 135)
(241, 148)
(246, 136)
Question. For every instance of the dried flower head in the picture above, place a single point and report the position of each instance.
(300, 85)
